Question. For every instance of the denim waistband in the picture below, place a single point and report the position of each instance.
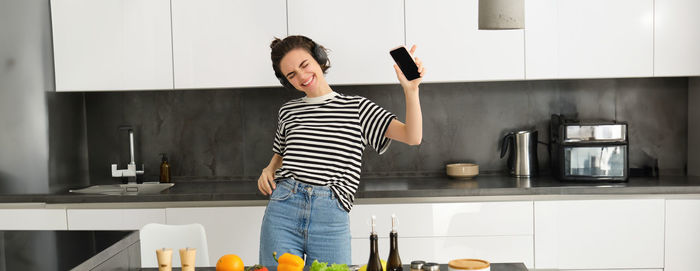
(295, 186)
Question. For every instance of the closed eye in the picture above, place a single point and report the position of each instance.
(303, 65)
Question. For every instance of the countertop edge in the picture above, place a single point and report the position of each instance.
(364, 201)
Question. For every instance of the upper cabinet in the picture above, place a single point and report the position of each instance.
(589, 38)
(225, 43)
(676, 38)
(190, 44)
(448, 40)
(358, 33)
(112, 45)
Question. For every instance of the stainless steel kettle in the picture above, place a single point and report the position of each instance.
(522, 160)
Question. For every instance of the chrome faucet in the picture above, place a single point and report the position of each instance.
(130, 172)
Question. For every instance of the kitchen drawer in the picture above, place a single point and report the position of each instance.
(33, 219)
(616, 233)
(616, 269)
(229, 229)
(113, 219)
(444, 249)
(446, 219)
(682, 245)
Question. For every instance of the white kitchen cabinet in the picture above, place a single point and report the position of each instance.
(32, 219)
(496, 231)
(599, 234)
(497, 249)
(113, 219)
(645, 269)
(449, 42)
(445, 219)
(230, 230)
(112, 45)
(358, 33)
(682, 234)
(589, 38)
(222, 43)
(676, 38)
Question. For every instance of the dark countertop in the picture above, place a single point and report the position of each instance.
(54, 250)
(397, 189)
(443, 267)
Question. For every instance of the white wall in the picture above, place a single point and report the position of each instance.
(24, 43)
(40, 152)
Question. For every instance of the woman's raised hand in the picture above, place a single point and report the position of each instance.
(413, 84)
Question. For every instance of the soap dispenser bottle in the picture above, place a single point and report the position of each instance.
(164, 169)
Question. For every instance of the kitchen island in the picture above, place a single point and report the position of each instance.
(123, 254)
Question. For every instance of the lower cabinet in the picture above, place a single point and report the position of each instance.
(230, 230)
(497, 249)
(590, 235)
(32, 219)
(439, 232)
(682, 235)
(113, 219)
(599, 234)
(616, 269)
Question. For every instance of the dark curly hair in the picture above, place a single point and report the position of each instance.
(280, 47)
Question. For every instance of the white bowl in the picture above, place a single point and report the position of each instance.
(462, 170)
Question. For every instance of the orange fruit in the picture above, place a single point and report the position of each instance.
(229, 262)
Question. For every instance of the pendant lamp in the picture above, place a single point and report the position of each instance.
(501, 14)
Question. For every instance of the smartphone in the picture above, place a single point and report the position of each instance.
(405, 62)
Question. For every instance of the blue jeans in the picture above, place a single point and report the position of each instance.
(304, 219)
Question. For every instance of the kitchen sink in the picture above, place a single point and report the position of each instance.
(124, 189)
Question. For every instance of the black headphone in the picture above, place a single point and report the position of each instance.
(318, 53)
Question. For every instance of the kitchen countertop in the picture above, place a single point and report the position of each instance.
(389, 190)
(443, 267)
(123, 254)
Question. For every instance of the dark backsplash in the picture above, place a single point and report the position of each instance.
(228, 133)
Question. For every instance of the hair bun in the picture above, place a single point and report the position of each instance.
(275, 42)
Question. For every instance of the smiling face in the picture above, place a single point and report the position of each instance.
(304, 73)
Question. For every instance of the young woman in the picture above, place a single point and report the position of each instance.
(315, 170)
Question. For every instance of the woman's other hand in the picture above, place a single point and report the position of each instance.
(266, 182)
(413, 84)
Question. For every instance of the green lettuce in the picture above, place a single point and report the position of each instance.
(338, 267)
(318, 266)
(321, 266)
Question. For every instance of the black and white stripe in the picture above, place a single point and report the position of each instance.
(321, 140)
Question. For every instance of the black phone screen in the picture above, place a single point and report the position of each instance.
(405, 62)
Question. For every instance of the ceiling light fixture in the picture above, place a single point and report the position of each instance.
(501, 14)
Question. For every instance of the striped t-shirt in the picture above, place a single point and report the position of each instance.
(321, 140)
